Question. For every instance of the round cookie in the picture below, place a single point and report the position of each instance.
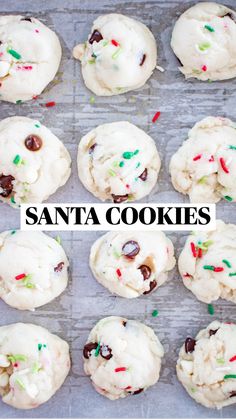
(34, 162)
(204, 41)
(36, 274)
(30, 54)
(207, 263)
(122, 357)
(118, 161)
(204, 166)
(120, 55)
(33, 365)
(130, 264)
(207, 365)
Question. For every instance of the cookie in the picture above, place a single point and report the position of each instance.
(34, 162)
(122, 357)
(30, 54)
(118, 162)
(130, 264)
(204, 166)
(207, 365)
(38, 272)
(119, 55)
(33, 365)
(207, 263)
(204, 39)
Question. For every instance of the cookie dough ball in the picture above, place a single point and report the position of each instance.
(120, 55)
(36, 274)
(33, 365)
(34, 162)
(204, 40)
(207, 263)
(207, 365)
(119, 162)
(204, 166)
(122, 357)
(130, 264)
(30, 54)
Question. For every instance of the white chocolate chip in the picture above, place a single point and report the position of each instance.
(4, 361)
(4, 379)
(187, 366)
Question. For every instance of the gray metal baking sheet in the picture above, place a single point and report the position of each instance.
(72, 315)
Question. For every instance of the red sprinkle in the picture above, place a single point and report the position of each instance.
(128, 388)
(223, 165)
(127, 186)
(35, 97)
(118, 271)
(233, 358)
(119, 369)
(50, 104)
(114, 43)
(199, 253)
(193, 248)
(211, 159)
(204, 68)
(218, 269)
(27, 67)
(156, 116)
(16, 365)
(187, 275)
(198, 157)
(21, 276)
(36, 30)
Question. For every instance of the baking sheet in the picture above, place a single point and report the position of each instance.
(72, 315)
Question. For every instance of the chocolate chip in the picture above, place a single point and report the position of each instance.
(152, 285)
(190, 345)
(88, 348)
(142, 59)
(212, 332)
(146, 271)
(231, 15)
(91, 149)
(33, 142)
(135, 392)
(6, 185)
(59, 267)
(95, 37)
(130, 249)
(143, 175)
(232, 394)
(27, 19)
(106, 352)
(124, 323)
(117, 199)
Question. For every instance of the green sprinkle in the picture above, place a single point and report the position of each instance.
(58, 239)
(20, 384)
(220, 361)
(37, 125)
(227, 376)
(111, 172)
(208, 267)
(94, 55)
(122, 163)
(232, 147)
(155, 313)
(136, 152)
(204, 46)
(227, 263)
(116, 254)
(92, 100)
(193, 390)
(115, 164)
(202, 180)
(211, 309)
(17, 160)
(127, 155)
(14, 54)
(196, 71)
(209, 28)
(228, 198)
(97, 349)
(13, 232)
(232, 274)
(12, 200)
(17, 357)
(91, 61)
(36, 367)
(138, 164)
(18, 102)
(116, 54)
(41, 345)
(204, 245)
(105, 43)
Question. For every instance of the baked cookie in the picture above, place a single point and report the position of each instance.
(207, 365)
(120, 55)
(36, 274)
(33, 365)
(204, 41)
(130, 264)
(34, 162)
(30, 54)
(204, 166)
(118, 161)
(122, 357)
(207, 263)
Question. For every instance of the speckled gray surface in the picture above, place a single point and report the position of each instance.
(72, 315)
